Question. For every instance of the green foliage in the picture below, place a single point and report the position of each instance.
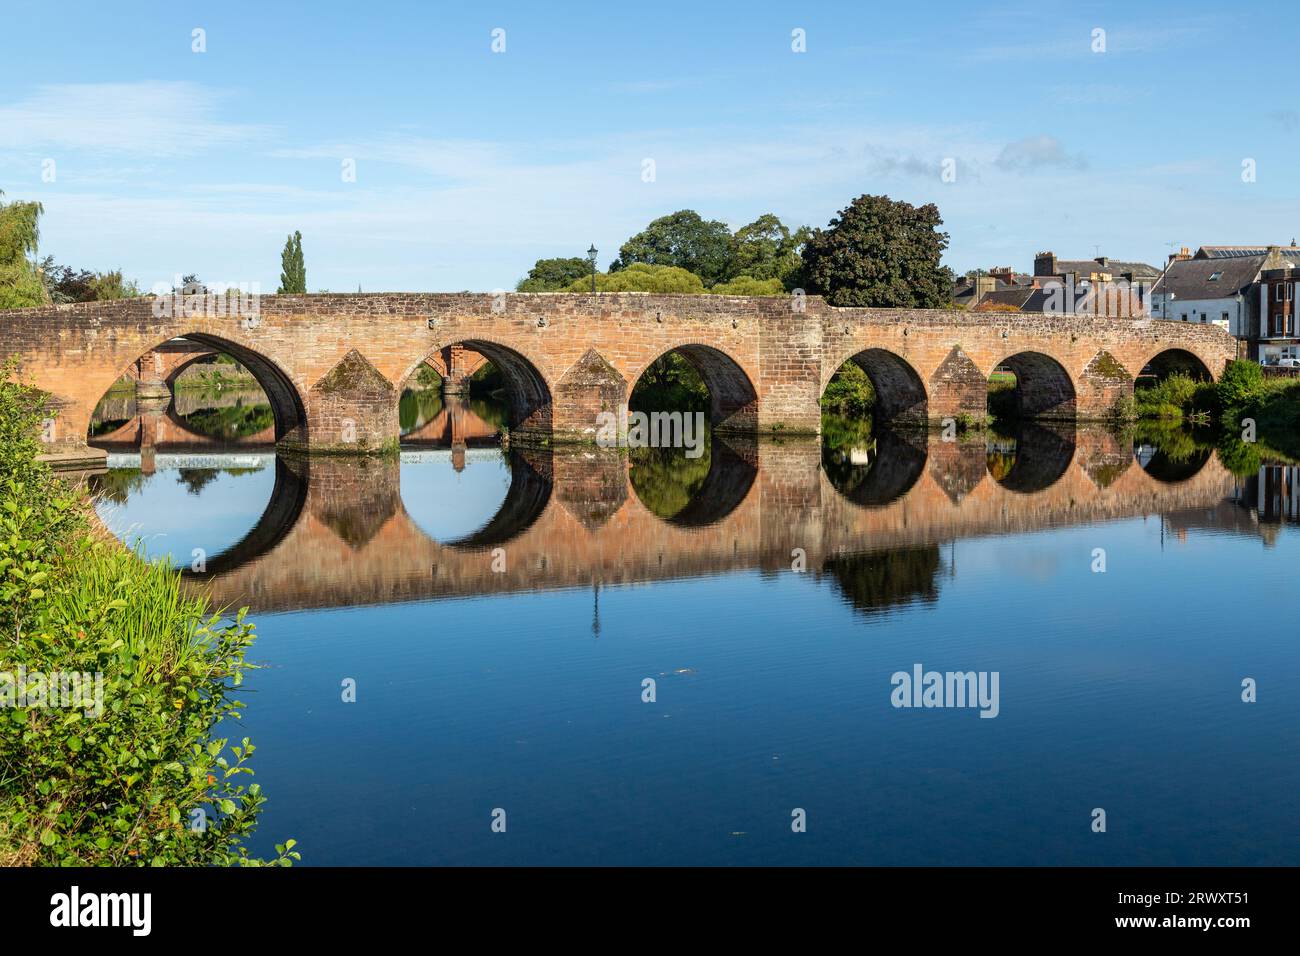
(767, 249)
(748, 285)
(849, 392)
(125, 775)
(666, 480)
(880, 252)
(682, 239)
(670, 384)
(20, 281)
(65, 284)
(640, 277)
(555, 275)
(293, 270)
(1241, 381)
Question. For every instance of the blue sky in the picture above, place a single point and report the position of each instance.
(472, 164)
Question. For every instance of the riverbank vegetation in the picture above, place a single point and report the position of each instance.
(133, 772)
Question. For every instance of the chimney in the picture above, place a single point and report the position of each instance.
(1004, 273)
(1180, 255)
(1045, 264)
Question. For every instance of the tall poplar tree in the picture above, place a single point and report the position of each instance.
(293, 271)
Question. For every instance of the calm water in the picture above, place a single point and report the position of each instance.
(499, 613)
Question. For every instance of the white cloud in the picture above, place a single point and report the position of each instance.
(1036, 152)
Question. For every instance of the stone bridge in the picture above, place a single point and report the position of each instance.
(336, 532)
(334, 365)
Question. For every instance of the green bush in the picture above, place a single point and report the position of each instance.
(748, 285)
(640, 277)
(129, 773)
(1241, 381)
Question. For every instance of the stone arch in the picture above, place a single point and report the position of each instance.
(900, 393)
(1043, 455)
(1171, 466)
(527, 497)
(724, 487)
(1044, 389)
(283, 509)
(287, 404)
(529, 393)
(733, 400)
(1170, 360)
(893, 464)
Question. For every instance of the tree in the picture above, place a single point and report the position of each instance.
(293, 271)
(682, 239)
(20, 280)
(767, 249)
(65, 284)
(553, 275)
(880, 252)
(640, 277)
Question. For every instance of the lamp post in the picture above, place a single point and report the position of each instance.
(591, 257)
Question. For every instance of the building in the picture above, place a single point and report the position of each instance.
(1224, 285)
(1278, 342)
(1100, 286)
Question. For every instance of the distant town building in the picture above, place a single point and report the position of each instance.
(1232, 286)
(1100, 286)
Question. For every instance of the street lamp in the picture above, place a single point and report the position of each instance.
(591, 257)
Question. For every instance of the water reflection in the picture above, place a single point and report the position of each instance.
(315, 532)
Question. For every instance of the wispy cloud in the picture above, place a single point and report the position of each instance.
(148, 118)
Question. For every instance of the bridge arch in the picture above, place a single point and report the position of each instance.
(733, 399)
(1042, 455)
(286, 402)
(880, 473)
(529, 395)
(1044, 388)
(901, 395)
(699, 500)
(1171, 360)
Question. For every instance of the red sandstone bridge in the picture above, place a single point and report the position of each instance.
(336, 531)
(333, 365)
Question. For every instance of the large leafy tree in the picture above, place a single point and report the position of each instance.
(685, 240)
(20, 280)
(880, 252)
(767, 249)
(293, 271)
(553, 275)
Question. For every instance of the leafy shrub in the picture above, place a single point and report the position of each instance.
(1240, 382)
(131, 772)
(640, 277)
(748, 285)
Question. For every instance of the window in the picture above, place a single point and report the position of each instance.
(1184, 316)
(1216, 276)
(1225, 316)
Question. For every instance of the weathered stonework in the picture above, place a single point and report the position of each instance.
(562, 355)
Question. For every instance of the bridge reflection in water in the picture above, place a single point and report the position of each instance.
(336, 531)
